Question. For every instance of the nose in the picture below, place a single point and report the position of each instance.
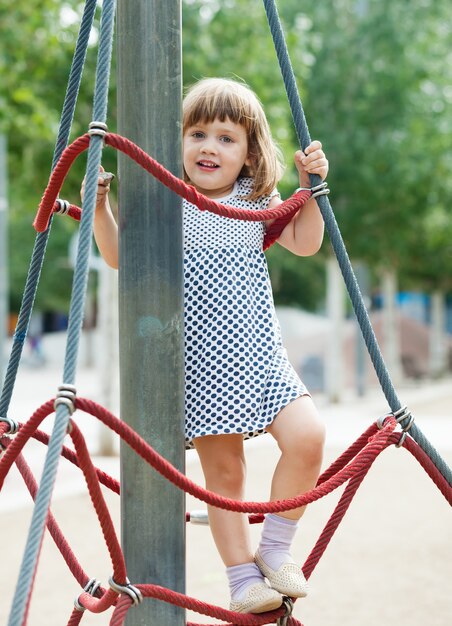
(208, 146)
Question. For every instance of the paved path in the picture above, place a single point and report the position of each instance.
(389, 564)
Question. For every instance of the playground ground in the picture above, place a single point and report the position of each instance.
(389, 563)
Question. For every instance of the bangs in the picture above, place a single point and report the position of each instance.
(210, 100)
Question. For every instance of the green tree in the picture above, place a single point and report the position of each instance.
(378, 94)
(37, 41)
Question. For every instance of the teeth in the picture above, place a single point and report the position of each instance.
(208, 164)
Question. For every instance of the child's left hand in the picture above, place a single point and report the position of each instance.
(313, 161)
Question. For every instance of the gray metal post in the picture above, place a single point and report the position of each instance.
(4, 308)
(151, 300)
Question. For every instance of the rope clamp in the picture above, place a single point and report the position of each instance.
(97, 128)
(381, 420)
(13, 425)
(63, 206)
(288, 605)
(66, 395)
(318, 190)
(133, 592)
(91, 587)
(403, 414)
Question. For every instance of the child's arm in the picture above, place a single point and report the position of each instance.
(105, 227)
(303, 235)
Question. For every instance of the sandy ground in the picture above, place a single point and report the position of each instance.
(390, 563)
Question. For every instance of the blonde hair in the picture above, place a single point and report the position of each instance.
(221, 98)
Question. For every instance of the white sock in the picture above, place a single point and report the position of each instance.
(277, 536)
(241, 577)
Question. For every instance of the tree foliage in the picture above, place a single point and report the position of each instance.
(375, 81)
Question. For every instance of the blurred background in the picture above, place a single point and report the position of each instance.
(376, 82)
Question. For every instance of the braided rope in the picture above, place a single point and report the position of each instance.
(337, 241)
(38, 523)
(49, 203)
(40, 245)
(351, 466)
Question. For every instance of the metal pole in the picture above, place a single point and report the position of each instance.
(4, 308)
(151, 300)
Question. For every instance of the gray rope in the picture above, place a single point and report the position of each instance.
(42, 503)
(41, 239)
(338, 243)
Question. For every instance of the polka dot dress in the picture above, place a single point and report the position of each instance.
(237, 375)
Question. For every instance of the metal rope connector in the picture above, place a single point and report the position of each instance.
(91, 587)
(97, 128)
(318, 190)
(401, 415)
(381, 420)
(66, 395)
(288, 605)
(133, 593)
(13, 425)
(63, 207)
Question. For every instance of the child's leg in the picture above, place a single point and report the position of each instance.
(223, 463)
(300, 437)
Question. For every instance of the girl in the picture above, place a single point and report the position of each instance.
(238, 380)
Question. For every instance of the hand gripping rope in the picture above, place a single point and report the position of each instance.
(283, 213)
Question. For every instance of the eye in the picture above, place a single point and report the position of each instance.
(226, 139)
(197, 134)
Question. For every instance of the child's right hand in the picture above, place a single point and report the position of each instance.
(103, 188)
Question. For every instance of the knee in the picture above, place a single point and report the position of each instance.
(305, 444)
(227, 475)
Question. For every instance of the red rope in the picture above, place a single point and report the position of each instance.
(376, 444)
(186, 602)
(97, 498)
(351, 466)
(283, 213)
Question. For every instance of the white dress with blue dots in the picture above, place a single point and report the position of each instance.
(237, 374)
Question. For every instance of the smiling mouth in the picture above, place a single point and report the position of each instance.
(208, 165)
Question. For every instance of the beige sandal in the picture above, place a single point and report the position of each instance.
(259, 599)
(288, 580)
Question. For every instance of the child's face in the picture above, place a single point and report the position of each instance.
(214, 155)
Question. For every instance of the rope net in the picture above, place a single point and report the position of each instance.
(349, 470)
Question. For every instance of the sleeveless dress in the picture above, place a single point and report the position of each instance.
(237, 374)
